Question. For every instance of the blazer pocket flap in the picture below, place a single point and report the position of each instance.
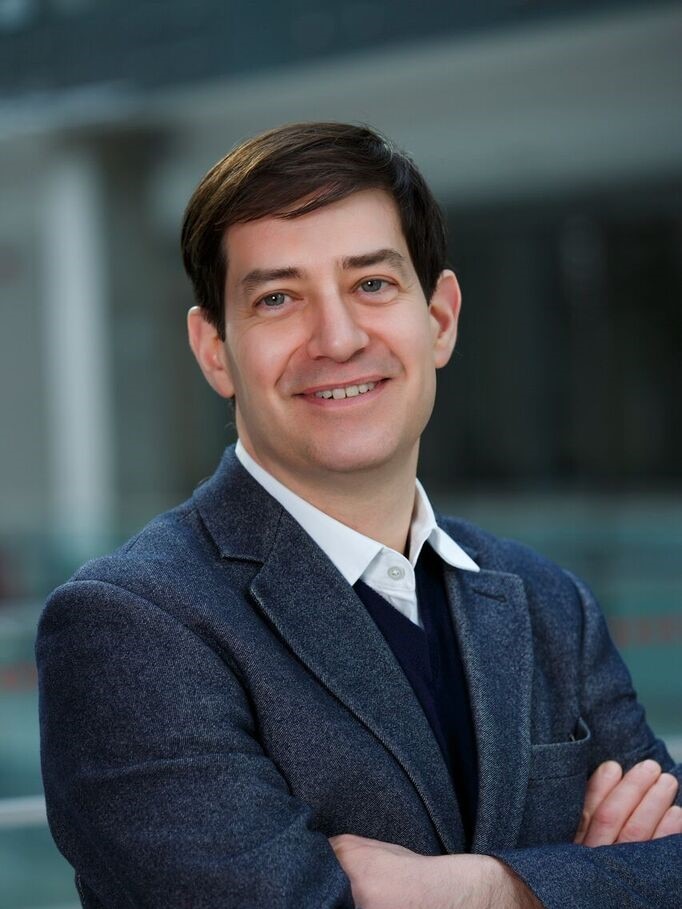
(562, 759)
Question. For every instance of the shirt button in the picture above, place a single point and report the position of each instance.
(396, 573)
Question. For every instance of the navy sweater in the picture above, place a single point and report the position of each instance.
(431, 661)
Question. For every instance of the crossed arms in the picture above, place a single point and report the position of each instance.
(619, 808)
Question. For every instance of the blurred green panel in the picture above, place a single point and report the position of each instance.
(19, 744)
(33, 874)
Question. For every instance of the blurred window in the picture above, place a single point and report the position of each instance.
(74, 7)
(17, 14)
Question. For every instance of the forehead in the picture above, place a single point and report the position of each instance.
(365, 220)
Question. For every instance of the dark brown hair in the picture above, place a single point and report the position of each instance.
(294, 169)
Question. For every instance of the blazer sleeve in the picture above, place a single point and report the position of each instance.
(157, 789)
(622, 876)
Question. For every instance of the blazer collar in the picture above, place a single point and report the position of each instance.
(238, 513)
(241, 516)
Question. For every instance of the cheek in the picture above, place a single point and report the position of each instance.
(421, 364)
(414, 344)
(258, 358)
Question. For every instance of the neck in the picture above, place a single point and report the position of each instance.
(377, 502)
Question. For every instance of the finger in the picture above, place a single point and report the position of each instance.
(599, 785)
(646, 817)
(341, 843)
(612, 813)
(346, 840)
(671, 823)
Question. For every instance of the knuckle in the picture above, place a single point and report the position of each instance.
(633, 833)
(633, 788)
(605, 817)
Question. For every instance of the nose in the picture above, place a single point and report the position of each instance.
(334, 331)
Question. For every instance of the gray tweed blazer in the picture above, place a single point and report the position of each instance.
(215, 702)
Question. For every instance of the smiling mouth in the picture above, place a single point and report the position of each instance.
(346, 391)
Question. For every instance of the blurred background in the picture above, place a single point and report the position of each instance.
(551, 132)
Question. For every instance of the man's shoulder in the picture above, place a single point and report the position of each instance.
(556, 599)
(191, 565)
(183, 542)
(539, 573)
(163, 565)
(175, 536)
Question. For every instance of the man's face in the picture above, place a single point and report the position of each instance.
(330, 346)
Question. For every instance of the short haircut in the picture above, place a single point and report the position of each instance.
(294, 169)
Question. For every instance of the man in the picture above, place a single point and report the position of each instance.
(298, 688)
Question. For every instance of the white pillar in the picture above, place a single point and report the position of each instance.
(76, 345)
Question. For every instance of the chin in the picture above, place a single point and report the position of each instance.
(346, 458)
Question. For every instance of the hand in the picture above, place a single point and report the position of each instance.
(383, 875)
(631, 808)
(386, 876)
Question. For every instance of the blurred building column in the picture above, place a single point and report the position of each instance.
(76, 350)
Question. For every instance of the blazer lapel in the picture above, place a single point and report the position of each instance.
(491, 617)
(327, 626)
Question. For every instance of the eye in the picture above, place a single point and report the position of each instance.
(273, 301)
(373, 285)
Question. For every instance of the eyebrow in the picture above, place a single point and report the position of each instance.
(258, 276)
(391, 256)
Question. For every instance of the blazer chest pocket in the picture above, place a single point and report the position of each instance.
(556, 789)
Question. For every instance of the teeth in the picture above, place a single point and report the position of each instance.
(350, 391)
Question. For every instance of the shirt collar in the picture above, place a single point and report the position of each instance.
(350, 551)
(424, 529)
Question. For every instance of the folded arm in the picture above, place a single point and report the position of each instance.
(620, 873)
(158, 791)
(618, 808)
(628, 850)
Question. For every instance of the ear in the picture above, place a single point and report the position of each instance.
(444, 308)
(209, 350)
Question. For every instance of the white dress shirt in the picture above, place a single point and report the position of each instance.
(358, 557)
